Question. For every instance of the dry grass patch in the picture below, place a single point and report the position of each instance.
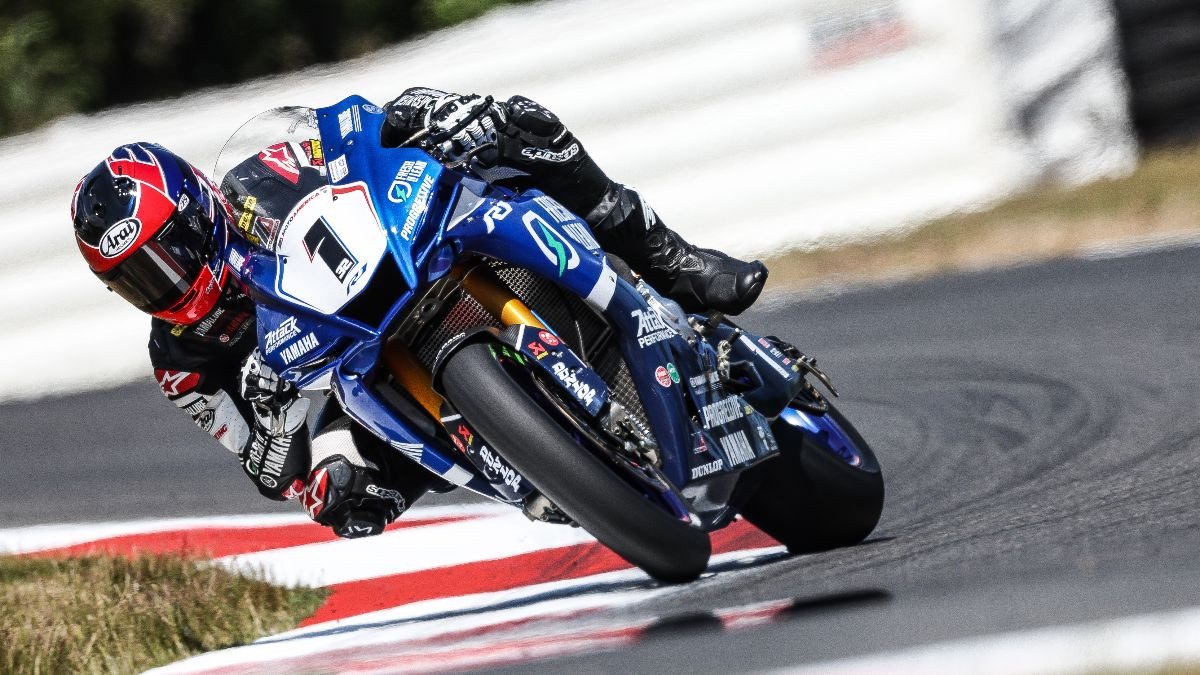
(1161, 199)
(105, 614)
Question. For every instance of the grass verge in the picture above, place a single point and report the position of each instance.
(1159, 200)
(106, 614)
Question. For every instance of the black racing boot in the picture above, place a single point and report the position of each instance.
(699, 279)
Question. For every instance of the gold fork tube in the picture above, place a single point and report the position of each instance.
(487, 288)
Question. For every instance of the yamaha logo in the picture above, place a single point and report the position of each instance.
(118, 238)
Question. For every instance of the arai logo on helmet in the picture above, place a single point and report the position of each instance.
(119, 237)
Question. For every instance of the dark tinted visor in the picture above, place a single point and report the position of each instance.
(159, 274)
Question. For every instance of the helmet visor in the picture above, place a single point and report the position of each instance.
(160, 273)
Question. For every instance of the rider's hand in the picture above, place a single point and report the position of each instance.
(462, 125)
(272, 397)
(406, 114)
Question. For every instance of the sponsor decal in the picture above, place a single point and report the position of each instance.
(268, 481)
(312, 148)
(313, 498)
(419, 204)
(459, 444)
(386, 493)
(246, 220)
(236, 259)
(209, 321)
(663, 377)
(651, 328)
(178, 329)
(701, 445)
(737, 446)
(503, 471)
(705, 381)
(499, 211)
(320, 240)
(537, 349)
(582, 390)
(205, 419)
(549, 338)
(556, 249)
(465, 433)
(551, 156)
(402, 185)
(338, 169)
(221, 432)
(722, 412)
(119, 237)
(348, 120)
(707, 469)
(183, 202)
(279, 159)
(673, 373)
(373, 109)
(580, 233)
(176, 382)
(557, 211)
(286, 330)
(299, 348)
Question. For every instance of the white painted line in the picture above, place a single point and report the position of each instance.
(1144, 643)
(42, 537)
(500, 535)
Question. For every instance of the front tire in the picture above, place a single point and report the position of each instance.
(591, 493)
(810, 498)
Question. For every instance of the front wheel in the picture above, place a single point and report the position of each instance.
(825, 490)
(590, 492)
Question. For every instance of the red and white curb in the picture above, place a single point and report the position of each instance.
(444, 588)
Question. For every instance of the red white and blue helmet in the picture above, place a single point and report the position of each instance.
(154, 228)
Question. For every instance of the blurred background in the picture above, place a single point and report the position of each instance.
(837, 139)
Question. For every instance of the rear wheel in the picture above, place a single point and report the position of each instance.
(825, 490)
(584, 487)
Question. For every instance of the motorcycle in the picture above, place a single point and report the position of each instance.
(484, 334)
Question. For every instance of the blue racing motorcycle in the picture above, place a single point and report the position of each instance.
(484, 334)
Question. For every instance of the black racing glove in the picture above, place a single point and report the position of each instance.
(406, 114)
(277, 456)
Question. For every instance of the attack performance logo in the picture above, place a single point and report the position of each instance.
(556, 248)
(320, 240)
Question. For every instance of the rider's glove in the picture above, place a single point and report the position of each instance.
(275, 463)
(462, 125)
(406, 114)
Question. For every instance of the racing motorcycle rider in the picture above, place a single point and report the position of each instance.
(153, 228)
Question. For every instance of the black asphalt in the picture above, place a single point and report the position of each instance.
(1039, 429)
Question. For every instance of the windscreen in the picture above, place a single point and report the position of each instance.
(267, 166)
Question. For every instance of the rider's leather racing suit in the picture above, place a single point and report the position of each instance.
(345, 477)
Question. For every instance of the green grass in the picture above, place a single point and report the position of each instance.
(106, 614)
(1160, 198)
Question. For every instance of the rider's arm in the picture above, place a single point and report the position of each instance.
(207, 388)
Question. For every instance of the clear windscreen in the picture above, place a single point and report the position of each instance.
(267, 166)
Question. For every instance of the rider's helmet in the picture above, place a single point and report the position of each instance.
(153, 228)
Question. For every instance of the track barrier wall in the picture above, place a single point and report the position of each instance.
(754, 127)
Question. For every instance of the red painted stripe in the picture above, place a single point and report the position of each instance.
(215, 542)
(558, 564)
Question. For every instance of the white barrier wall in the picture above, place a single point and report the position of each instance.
(752, 126)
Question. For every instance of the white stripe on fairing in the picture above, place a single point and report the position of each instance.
(602, 292)
(458, 475)
(1144, 643)
(405, 624)
(43, 537)
(407, 550)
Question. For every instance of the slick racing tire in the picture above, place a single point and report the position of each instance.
(812, 498)
(483, 390)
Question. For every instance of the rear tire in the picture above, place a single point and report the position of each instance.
(584, 487)
(809, 498)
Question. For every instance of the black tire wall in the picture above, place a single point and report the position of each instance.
(1161, 55)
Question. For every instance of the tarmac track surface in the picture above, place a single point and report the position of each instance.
(1039, 430)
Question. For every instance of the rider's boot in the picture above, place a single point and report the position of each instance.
(699, 279)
